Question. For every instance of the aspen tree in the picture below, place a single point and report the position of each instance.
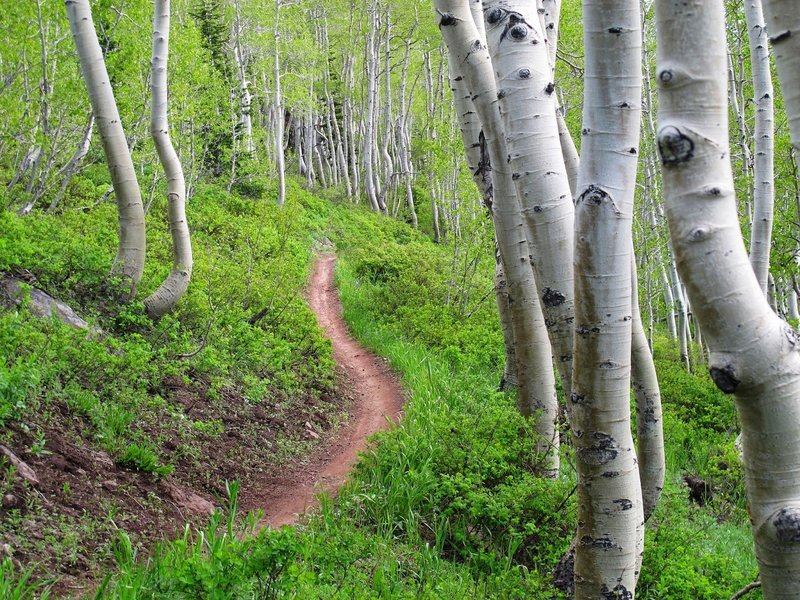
(521, 62)
(764, 131)
(610, 512)
(481, 169)
(536, 384)
(647, 395)
(280, 163)
(783, 25)
(175, 285)
(753, 354)
(129, 261)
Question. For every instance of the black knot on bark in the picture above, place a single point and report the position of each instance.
(494, 15)
(624, 504)
(620, 592)
(524, 73)
(447, 20)
(552, 297)
(674, 147)
(601, 452)
(501, 94)
(787, 525)
(725, 378)
(549, 89)
(615, 30)
(593, 195)
(781, 37)
(518, 32)
(665, 76)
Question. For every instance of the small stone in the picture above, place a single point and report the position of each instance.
(6, 550)
(10, 501)
(109, 484)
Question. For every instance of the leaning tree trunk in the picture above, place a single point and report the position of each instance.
(525, 97)
(752, 352)
(535, 375)
(610, 513)
(763, 167)
(175, 285)
(129, 261)
(646, 393)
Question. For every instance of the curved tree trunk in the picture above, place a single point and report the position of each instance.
(129, 261)
(175, 285)
(752, 352)
(525, 96)
(610, 512)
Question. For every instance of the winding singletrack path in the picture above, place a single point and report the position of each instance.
(377, 400)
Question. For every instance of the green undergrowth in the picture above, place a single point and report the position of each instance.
(447, 504)
(241, 326)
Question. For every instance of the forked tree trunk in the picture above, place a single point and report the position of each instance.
(752, 352)
(525, 97)
(610, 513)
(534, 371)
(175, 285)
(129, 261)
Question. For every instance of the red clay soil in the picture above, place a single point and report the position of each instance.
(377, 400)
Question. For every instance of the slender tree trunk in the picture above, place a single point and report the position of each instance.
(610, 510)
(649, 426)
(525, 97)
(280, 160)
(369, 137)
(752, 352)
(534, 366)
(509, 379)
(763, 168)
(129, 261)
(164, 299)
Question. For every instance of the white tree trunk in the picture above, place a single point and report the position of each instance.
(129, 261)
(649, 426)
(534, 371)
(509, 379)
(610, 512)
(175, 285)
(783, 25)
(525, 96)
(763, 168)
(752, 352)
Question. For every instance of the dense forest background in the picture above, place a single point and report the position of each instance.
(303, 126)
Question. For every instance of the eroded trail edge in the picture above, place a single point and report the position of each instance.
(377, 398)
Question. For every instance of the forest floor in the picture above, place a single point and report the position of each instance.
(64, 520)
(376, 401)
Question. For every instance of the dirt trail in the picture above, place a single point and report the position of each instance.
(376, 396)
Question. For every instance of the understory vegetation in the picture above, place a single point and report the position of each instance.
(444, 505)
